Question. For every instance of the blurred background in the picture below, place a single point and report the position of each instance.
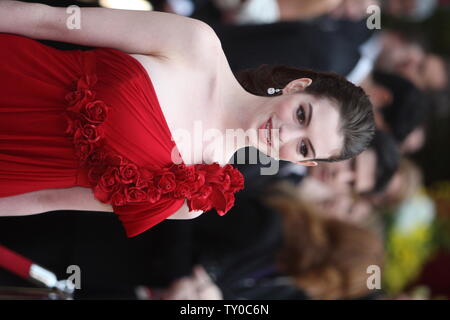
(374, 227)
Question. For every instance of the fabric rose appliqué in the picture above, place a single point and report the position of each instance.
(118, 181)
(85, 117)
(200, 184)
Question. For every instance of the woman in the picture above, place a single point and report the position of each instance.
(157, 77)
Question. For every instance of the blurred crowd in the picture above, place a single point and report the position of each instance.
(302, 233)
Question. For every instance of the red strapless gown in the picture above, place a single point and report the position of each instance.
(92, 119)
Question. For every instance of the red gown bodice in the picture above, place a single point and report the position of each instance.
(92, 119)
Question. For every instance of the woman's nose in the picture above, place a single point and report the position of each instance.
(289, 132)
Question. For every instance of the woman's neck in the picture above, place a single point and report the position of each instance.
(236, 111)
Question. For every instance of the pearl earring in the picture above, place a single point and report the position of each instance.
(273, 90)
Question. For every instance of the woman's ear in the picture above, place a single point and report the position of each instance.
(307, 163)
(297, 85)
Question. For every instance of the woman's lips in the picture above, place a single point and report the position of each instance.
(266, 132)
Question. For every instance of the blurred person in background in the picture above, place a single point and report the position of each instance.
(345, 190)
(406, 181)
(289, 248)
(196, 286)
(338, 254)
(269, 11)
(401, 53)
(242, 12)
(296, 42)
(399, 108)
(413, 10)
(279, 250)
(406, 55)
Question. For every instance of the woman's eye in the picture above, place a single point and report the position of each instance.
(301, 115)
(303, 149)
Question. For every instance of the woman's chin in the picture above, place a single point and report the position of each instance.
(271, 152)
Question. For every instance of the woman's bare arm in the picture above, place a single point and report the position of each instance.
(184, 214)
(83, 199)
(75, 198)
(143, 32)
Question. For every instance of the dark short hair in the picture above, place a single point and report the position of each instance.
(355, 108)
(388, 159)
(409, 106)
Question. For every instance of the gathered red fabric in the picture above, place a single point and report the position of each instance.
(92, 119)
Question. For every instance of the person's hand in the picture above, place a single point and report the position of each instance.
(206, 288)
(198, 286)
(180, 289)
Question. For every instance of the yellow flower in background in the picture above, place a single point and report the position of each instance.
(408, 242)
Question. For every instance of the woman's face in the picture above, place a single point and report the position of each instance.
(303, 128)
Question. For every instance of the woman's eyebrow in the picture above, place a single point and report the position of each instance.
(309, 114)
(311, 147)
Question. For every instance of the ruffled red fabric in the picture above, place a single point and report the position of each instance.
(120, 182)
